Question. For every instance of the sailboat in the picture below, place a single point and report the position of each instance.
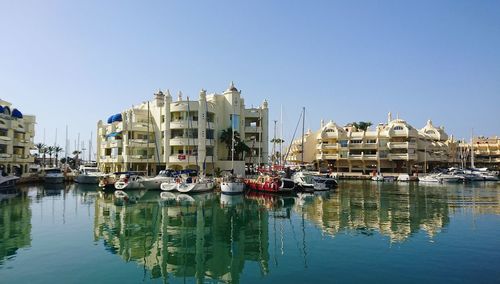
(232, 184)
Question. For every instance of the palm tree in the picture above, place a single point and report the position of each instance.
(241, 148)
(227, 138)
(50, 151)
(57, 150)
(40, 147)
(75, 158)
(362, 125)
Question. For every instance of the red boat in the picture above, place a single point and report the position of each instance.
(271, 183)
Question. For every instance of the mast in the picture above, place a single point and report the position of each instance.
(66, 146)
(260, 136)
(472, 149)
(281, 136)
(274, 144)
(147, 147)
(232, 140)
(90, 147)
(303, 128)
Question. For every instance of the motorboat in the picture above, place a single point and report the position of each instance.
(164, 176)
(7, 182)
(430, 179)
(170, 185)
(404, 177)
(449, 178)
(232, 185)
(130, 180)
(200, 184)
(88, 175)
(321, 183)
(53, 176)
(271, 183)
(107, 181)
(380, 177)
(303, 180)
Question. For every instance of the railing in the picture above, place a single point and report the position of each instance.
(177, 141)
(252, 129)
(182, 158)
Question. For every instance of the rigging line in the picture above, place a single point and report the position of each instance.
(293, 137)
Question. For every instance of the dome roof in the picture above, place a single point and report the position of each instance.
(16, 113)
(114, 118)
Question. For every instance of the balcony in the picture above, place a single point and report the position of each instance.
(23, 159)
(5, 139)
(356, 145)
(139, 126)
(111, 159)
(140, 143)
(402, 145)
(4, 157)
(183, 124)
(183, 141)
(252, 129)
(182, 158)
(183, 106)
(327, 156)
(370, 157)
(401, 156)
(139, 159)
(327, 146)
(356, 157)
(115, 143)
(21, 142)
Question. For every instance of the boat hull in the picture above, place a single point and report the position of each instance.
(87, 179)
(232, 187)
(54, 180)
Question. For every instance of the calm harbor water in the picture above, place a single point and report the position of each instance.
(362, 232)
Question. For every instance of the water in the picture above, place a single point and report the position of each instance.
(362, 232)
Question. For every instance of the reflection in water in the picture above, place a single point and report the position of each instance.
(194, 237)
(394, 210)
(15, 223)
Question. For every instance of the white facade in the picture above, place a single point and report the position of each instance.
(16, 139)
(184, 133)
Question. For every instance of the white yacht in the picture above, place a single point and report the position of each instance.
(232, 185)
(309, 180)
(404, 177)
(200, 184)
(88, 175)
(7, 182)
(130, 180)
(165, 176)
(53, 175)
(430, 179)
(449, 178)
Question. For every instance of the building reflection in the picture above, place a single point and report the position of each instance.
(394, 210)
(193, 237)
(15, 223)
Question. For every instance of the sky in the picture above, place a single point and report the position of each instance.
(76, 62)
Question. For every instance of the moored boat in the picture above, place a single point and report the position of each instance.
(271, 183)
(130, 180)
(165, 176)
(232, 185)
(88, 175)
(200, 184)
(7, 182)
(53, 176)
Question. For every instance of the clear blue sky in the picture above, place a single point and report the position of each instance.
(74, 63)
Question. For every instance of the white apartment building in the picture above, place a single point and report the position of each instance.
(395, 146)
(17, 132)
(182, 133)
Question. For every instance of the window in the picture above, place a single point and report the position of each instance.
(371, 141)
(398, 127)
(210, 134)
(330, 130)
(343, 143)
(357, 141)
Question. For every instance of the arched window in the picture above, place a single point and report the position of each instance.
(430, 132)
(398, 127)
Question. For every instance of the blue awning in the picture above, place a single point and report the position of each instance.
(1, 109)
(16, 113)
(110, 119)
(117, 117)
(113, 134)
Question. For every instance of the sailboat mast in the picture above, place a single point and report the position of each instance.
(260, 136)
(90, 147)
(303, 129)
(281, 135)
(147, 147)
(472, 149)
(232, 139)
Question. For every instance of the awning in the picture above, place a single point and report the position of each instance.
(113, 134)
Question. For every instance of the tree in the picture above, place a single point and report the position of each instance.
(362, 125)
(241, 149)
(50, 151)
(227, 138)
(75, 157)
(57, 150)
(40, 147)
